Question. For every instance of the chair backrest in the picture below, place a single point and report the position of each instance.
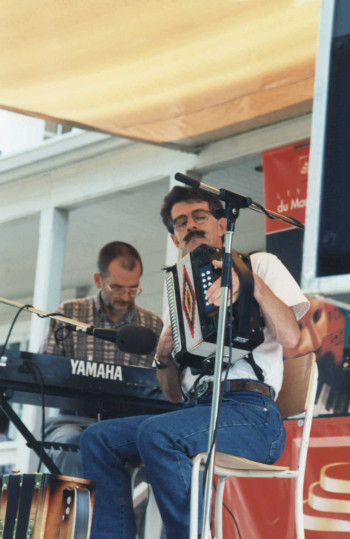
(298, 376)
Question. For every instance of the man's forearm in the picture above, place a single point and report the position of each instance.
(279, 318)
(167, 376)
(168, 380)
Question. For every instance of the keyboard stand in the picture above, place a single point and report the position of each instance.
(32, 442)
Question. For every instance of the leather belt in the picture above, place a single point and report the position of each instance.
(242, 385)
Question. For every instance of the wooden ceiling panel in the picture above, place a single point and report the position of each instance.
(163, 71)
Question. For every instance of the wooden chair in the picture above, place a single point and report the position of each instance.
(297, 396)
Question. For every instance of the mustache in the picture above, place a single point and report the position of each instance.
(194, 234)
(122, 302)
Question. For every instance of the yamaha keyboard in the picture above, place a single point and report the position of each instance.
(88, 387)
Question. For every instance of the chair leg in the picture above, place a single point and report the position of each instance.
(219, 506)
(299, 509)
(153, 521)
(194, 499)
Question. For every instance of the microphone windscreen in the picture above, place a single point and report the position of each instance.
(187, 180)
(135, 339)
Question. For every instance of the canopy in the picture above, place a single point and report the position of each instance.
(171, 72)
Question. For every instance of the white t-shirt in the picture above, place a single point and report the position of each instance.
(269, 354)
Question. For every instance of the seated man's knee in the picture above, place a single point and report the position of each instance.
(89, 437)
(151, 435)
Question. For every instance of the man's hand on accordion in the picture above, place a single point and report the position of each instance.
(279, 318)
(214, 292)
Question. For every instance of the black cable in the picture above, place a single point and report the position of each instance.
(297, 223)
(65, 330)
(12, 326)
(231, 515)
(15, 320)
(233, 518)
(48, 315)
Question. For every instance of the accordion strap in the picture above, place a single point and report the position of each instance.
(257, 370)
(246, 294)
(246, 297)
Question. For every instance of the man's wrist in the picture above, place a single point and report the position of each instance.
(162, 362)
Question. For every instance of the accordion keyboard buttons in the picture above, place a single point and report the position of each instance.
(206, 279)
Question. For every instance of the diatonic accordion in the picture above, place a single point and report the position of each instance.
(194, 321)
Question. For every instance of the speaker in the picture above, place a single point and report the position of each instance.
(333, 253)
(326, 258)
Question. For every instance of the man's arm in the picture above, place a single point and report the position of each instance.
(279, 318)
(168, 377)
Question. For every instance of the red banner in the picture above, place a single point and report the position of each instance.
(264, 508)
(285, 189)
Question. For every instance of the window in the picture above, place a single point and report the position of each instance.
(53, 130)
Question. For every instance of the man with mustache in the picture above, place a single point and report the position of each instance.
(119, 270)
(249, 423)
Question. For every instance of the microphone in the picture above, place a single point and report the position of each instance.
(188, 180)
(236, 200)
(130, 338)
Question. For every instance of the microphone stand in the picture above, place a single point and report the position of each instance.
(233, 203)
(232, 206)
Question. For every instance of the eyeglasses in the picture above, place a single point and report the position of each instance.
(199, 216)
(119, 290)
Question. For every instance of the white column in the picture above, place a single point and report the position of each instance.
(49, 269)
(47, 293)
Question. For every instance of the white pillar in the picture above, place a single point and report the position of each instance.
(49, 269)
(47, 293)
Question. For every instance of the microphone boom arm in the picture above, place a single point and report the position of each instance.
(78, 326)
(237, 201)
(129, 338)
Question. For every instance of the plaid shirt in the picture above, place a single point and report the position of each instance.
(82, 346)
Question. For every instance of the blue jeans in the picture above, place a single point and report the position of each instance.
(249, 426)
